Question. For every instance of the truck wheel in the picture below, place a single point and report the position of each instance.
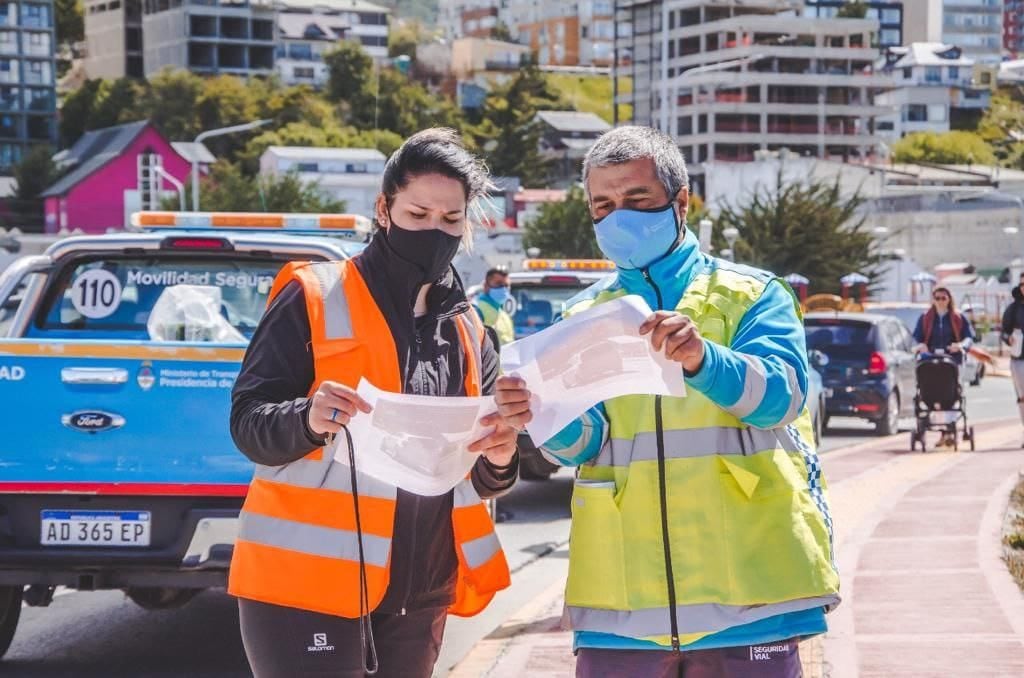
(10, 612)
(152, 598)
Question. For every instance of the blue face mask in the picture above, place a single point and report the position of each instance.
(499, 295)
(637, 238)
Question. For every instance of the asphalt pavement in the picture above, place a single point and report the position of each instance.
(102, 634)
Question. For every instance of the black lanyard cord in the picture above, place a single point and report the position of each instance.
(370, 663)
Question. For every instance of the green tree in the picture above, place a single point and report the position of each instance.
(404, 37)
(806, 227)
(118, 103)
(564, 229)
(78, 110)
(510, 133)
(227, 189)
(69, 18)
(403, 106)
(170, 101)
(948, 148)
(853, 9)
(350, 71)
(1002, 127)
(34, 174)
(501, 32)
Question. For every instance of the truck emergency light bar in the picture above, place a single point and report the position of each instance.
(203, 221)
(568, 265)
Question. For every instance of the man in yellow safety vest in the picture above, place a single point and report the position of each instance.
(701, 540)
(490, 305)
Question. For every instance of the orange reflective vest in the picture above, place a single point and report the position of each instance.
(297, 543)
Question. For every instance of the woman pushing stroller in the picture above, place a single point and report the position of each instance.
(942, 330)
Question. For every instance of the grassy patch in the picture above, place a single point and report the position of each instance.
(1013, 535)
(592, 93)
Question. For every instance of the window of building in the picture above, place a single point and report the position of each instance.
(8, 42)
(886, 125)
(300, 51)
(8, 14)
(36, 44)
(889, 36)
(932, 74)
(373, 41)
(305, 72)
(8, 126)
(356, 168)
(36, 16)
(9, 99)
(908, 73)
(38, 100)
(916, 113)
(891, 16)
(954, 73)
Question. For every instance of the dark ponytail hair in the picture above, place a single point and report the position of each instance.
(438, 150)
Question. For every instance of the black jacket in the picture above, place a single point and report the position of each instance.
(269, 405)
(1013, 317)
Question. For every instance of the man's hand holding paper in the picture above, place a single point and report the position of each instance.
(592, 357)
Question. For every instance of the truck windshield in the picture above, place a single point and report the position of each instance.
(112, 297)
(538, 306)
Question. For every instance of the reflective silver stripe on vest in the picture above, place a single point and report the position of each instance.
(313, 540)
(337, 319)
(479, 551)
(699, 618)
(466, 495)
(590, 419)
(755, 384)
(797, 399)
(687, 444)
(325, 474)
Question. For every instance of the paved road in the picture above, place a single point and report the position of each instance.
(102, 634)
(993, 399)
(83, 635)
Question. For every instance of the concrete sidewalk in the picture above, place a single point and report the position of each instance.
(918, 540)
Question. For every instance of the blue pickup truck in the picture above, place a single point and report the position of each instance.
(117, 468)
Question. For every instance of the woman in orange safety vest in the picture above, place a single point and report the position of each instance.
(339, 574)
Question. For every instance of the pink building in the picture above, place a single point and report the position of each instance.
(101, 190)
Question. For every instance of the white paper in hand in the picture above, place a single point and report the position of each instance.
(415, 442)
(587, 359)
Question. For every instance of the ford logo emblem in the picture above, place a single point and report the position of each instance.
(92, 421)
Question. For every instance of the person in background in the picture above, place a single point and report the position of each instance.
(1012, 334)
(490, 305)
(943, 330)
(701, 542)
(339, 574)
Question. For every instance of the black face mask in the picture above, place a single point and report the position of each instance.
(430, 252)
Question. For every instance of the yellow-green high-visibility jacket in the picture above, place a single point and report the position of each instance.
(687, 519)
(497, 317)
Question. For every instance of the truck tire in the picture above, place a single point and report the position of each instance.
(154, 598)
(10, 612)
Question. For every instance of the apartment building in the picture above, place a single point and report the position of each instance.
(364, 22)
(303, 39)
(976, 26)
(236, 37)
(469, 18)
(28, 102)
(113, 38)
(889, 14)
(747, 75)
(933, 86)
(565, 33)
(1013, 27)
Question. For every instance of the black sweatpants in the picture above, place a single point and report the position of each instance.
(284, 642)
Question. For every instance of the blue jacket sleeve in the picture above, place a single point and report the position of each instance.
(919, 330)
(580, 441)
(761, 378)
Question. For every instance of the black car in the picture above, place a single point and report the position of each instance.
(867, 365)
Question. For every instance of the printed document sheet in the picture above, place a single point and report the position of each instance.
(415, 442)
(586, 359)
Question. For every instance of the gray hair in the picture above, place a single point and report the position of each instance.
(632, 142)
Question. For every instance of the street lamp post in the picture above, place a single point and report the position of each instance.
(220, 131)
(731, 235)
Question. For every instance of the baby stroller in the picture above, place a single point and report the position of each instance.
(939, 404)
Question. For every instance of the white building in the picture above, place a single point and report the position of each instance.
(349, 174)
(743, 76)
(303, 39)
(364, 21)
(975, 25)
(933, 81)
